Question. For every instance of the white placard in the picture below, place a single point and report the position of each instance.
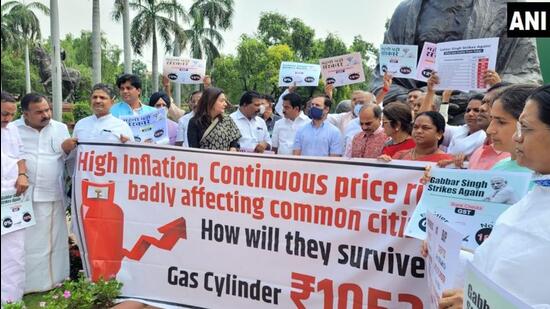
(303, 74)
(461, 65)
(398, 60)
(342, 70)
(17, 212)
(184, 71)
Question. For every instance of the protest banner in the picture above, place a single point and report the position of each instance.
(443, 257)
(461, 65)
(17, 212)
(184, 71)
(342, 70)
(191, 227)
(426, 63)
(301, 74)
(399, 60)
(471, 201)
(481, 292)
(150, 127)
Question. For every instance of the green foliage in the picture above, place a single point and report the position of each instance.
(13, 73)
(84, 294)
(333, 46)
(81, 110)
(67, 118)
(273, 28)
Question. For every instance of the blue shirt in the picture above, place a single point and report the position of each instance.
(123, 109)
(322, 141)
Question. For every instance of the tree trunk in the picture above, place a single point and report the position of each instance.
(27, 69)
(126, 35)
(176, 86)
(96, 43)
(155, 78)
(56, 61)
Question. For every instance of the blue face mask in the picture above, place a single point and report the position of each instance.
(357, 109)
(315, 113)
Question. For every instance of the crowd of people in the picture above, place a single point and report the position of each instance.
(506, 128)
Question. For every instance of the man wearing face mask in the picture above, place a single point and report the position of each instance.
(46, 242)
(319, 137)
(254, 133)
(370, 142)
(343, 120)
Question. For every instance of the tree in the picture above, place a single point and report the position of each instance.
(96, 43)
(24, 21)
(122, 10)
(333, 46)
(273, 28)
(151, 21)
(202, 38)
(251, 62)
(301, 38)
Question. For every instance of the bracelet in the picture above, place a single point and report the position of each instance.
(23, 174)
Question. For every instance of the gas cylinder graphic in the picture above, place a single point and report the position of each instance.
(103, 223)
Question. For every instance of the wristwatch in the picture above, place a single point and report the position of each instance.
(23, 174)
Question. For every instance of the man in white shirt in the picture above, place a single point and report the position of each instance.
(14, 177)
(102, 126)
(255, 136)
(285, 129)
(46, 243)
(342, 120)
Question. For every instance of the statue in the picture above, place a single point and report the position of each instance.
(417, 21)
(70, 77)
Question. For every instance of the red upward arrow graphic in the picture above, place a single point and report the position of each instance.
(172, 231)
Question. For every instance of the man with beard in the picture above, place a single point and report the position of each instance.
(46, 243)
(285, 129)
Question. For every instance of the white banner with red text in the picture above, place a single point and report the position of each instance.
(196, 228)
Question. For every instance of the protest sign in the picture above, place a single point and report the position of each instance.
(469, 200)
(150, 127)
(399, 60)
(342, 70)
(303, 74)
(443, 257)
(461, 65)
(17, 212)
(190, 227)
(426, 64)
(184, 71)
(481, 292)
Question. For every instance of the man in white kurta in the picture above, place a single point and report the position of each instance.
(102, 126)
(46, 243)
(516, 255)
(14, 176)
(254, 134)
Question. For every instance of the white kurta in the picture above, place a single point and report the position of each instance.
(13, 244)
(253, 131)
(460, 142)
(183, 123)
(104, 129)
(517, 254)
(46, 243)
(284, 132)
